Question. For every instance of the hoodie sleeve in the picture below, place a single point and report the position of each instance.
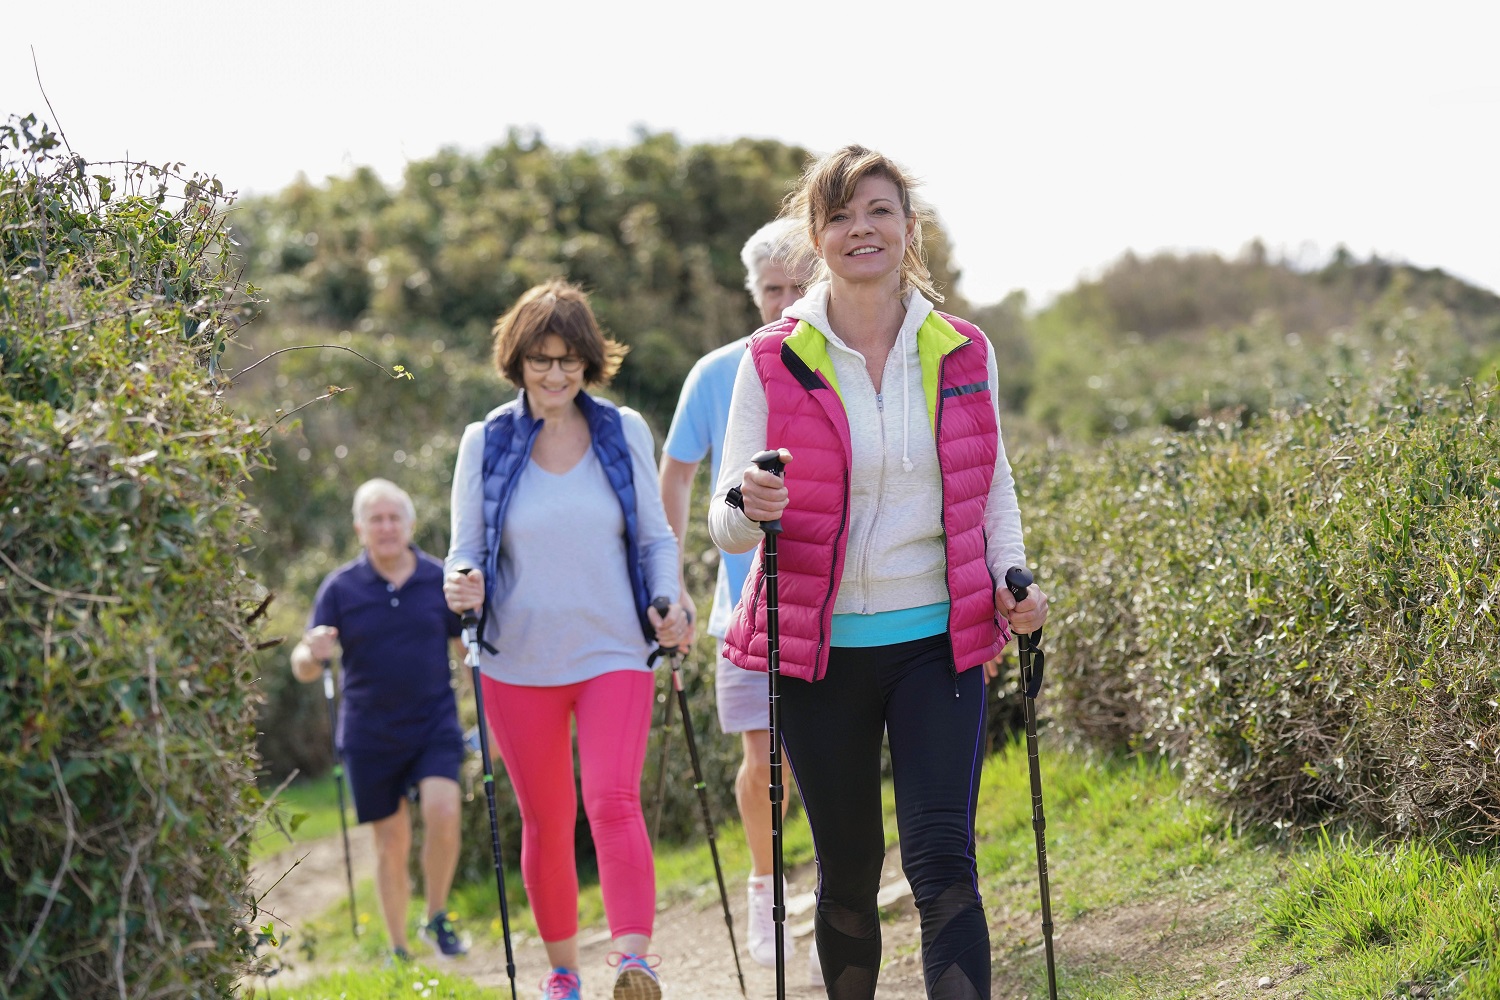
(1002, 514)
(744, 438)
(657, 540)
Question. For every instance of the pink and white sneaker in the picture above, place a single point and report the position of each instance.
(561, 984)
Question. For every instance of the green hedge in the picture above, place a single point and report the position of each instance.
(126, 681)
(1302, 614)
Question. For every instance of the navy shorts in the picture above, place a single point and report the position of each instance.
(380, 779)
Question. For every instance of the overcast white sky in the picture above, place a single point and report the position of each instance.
(1052, 134)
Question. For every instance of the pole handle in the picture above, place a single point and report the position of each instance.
(1018, 580)
(469, 620)
(770, 461)
(661, 604)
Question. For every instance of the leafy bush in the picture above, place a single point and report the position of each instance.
(1171, 339)
(125, 679)
(1301, 613)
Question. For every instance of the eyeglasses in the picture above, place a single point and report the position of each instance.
(541, 364)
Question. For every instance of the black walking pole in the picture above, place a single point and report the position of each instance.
(770, 461)
(673, 655)
(470, 623)
(338, 779)
(1029, 646)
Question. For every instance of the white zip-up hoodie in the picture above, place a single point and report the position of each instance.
(894, 558)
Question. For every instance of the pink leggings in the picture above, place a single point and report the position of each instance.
(529, 726)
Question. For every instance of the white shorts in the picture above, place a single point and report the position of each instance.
(744, 698)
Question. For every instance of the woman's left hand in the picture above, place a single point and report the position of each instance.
(672, 629)
(1027, 616)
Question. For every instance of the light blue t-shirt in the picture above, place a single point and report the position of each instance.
(697, 432)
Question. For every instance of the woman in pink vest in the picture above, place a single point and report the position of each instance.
(900, 519)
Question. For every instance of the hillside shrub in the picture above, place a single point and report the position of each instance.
(126, 685)
(1301, 613)
(1093, 382)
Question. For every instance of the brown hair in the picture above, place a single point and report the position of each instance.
(828, 184)
(562, 308)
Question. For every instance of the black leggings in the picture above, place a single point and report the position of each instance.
(832, 732)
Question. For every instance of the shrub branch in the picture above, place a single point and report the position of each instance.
(65, 594)
(62, 869)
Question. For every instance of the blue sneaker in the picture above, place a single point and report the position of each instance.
(635, 976)
(397, 957)
(561, 984)
(439, 933)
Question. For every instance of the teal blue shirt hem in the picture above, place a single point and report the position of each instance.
(886, 628)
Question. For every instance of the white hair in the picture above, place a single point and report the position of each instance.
(383, 489)
(770, 242)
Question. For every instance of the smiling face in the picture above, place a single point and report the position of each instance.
(384, 528)
(551, 390)
(865, 240)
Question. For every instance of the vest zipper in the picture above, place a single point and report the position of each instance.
(937, 435)
(863, 567)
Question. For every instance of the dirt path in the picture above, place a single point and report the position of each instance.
(1200, 942)
(690, 934)
(694, 948)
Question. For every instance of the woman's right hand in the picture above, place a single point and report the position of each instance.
(463, 591)
(764, 493)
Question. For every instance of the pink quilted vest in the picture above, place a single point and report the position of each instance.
(807, 418)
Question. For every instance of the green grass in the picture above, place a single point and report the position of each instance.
(1120, 842)
(404, 982)
(1334, 919)
(1153, 896)
(1401, 919)
(304, 811)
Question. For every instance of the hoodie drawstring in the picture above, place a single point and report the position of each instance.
(906, 463)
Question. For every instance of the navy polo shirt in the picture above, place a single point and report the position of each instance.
(395, 654)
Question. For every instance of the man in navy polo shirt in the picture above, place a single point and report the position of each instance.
(398, 722)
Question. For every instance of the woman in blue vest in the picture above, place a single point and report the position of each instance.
(557, 512)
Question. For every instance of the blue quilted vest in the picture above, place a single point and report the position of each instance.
(508, 439)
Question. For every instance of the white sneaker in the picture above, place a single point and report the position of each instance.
(760, 898)
(814, 967)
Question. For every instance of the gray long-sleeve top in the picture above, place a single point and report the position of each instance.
(562, 610)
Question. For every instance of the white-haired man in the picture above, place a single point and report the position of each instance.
(697, 432)
(398, 721)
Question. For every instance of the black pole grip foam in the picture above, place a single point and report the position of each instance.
(770, 461)
(1018, 580)
(662, 606)
(470, 618)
